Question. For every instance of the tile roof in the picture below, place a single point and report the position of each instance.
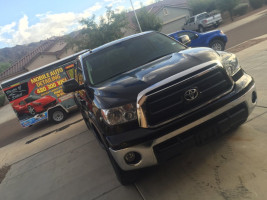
(156, 7)
(20, 65)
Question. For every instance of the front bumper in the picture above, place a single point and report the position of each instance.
(238, 110)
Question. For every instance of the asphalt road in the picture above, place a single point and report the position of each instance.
(247, 31)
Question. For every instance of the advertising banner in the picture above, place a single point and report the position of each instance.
(36, 94)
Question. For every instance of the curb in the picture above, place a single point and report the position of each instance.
(247, 44)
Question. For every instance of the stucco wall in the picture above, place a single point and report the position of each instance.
(58, 46)
(40, 61)
(173, 18)
(45, 58)
(174, 25)
(66, 53)
(172, 13)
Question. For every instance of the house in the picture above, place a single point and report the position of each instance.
(173, 14)
(49, 51)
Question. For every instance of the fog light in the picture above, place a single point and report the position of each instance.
(132, 158)
(254, 97)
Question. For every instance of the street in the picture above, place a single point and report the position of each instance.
(247, 31)
(65, 161)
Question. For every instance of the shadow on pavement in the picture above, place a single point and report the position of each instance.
(12, 131)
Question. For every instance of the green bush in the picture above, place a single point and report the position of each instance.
(4, 66)
(240, 9)
(256, 3)
(199, 6)
(2, 99)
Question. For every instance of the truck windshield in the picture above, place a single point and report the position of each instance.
(127, 55)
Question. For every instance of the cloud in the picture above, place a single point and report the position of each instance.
(119, 9)
(9, 28)
(137, 4)
(148, 2)
(49, 25)
(89, 12)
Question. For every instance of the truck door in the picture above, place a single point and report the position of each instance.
(191, 23)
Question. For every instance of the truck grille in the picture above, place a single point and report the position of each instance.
(169, 101)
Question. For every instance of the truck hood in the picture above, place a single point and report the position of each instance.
(125, 87)
(208, 33)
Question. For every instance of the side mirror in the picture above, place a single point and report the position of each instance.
(71, 86)
(185, 39)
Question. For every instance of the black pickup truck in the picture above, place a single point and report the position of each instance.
(146, 97)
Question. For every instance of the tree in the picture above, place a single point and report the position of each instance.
(96, 34)
(199, 6)
(227, 5)
(256, 3)
(4, 66)
(148, 21)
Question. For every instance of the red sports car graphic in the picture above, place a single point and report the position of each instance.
(34, 104)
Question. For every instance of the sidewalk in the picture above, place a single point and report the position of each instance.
(243, 21)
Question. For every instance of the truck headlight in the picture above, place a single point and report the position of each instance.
(119, 115)
(230, 63)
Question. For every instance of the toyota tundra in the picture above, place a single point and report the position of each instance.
(146, 97)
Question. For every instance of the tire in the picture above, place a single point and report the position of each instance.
(217, 45)
(58, 115)
(85, 118)
(124, 177)
(31, 110)
(201, 29)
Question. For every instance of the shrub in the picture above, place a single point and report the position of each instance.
(256, 3)
(199, 6)
(240, 9)
(2, 99)
(214, 12)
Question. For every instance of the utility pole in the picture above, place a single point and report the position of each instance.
(136, 17)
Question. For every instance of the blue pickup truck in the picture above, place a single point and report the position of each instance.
(214, 39)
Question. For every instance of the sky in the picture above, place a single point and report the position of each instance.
(26, 21)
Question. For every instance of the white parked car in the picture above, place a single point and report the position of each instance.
(202, 21)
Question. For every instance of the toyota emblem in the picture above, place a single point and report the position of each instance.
(191, 94)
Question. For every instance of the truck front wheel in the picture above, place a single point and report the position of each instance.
(58, 115)
(217, 45)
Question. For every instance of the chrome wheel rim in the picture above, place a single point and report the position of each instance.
(58, 116)
(31, 110)
(217, 46)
